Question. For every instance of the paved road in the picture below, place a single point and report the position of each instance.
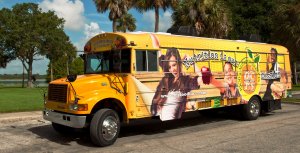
(275, 132)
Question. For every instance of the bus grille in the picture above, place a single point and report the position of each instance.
(58, 93)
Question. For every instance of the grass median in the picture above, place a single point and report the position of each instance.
(295, 98)
(295, 88)
(291, 100)
(16, 99)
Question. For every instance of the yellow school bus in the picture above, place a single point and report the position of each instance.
(129, 76)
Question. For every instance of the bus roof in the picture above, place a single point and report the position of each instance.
(147, 40)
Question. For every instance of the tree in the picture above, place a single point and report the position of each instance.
(55, 48)
(63, 66)
(252, 17)
(6, 54)
(77, 66)
(287, 30)
(117, 9)
(210, 18)
(57, 69)
(145, 5)
(5, 57)
(32, 33)
(126, 22)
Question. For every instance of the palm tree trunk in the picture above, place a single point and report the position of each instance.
(156, 19)
(114, 25)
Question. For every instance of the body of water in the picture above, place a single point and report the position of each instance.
(18, 82)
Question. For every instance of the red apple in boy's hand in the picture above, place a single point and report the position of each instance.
(206, 75)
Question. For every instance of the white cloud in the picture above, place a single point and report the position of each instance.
(79, 46)
(71, 10)
(92, 29)
(165, 21)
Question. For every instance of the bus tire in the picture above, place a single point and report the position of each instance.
(104, 127)
(252, 109)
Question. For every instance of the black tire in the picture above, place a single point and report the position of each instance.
(252, 110)
(62, 129)
(105, 127)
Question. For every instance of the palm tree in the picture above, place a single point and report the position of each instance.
(209, 17)
(126, 22)
(287, 30)
(145, 5)
(117, 9)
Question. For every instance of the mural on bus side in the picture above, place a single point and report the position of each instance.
(174, 89)
(179, 91)
(171, 94)
(276, 78)
(248, 77)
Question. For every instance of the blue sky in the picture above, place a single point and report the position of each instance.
(82, 22)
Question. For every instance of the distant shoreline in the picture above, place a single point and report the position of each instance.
(17, 82)
(20, 76)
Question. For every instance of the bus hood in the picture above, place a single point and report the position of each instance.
(91, 82)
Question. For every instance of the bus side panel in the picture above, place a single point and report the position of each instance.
(193, 79)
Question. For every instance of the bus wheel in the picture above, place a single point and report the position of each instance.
(251, 110)
(105, 127)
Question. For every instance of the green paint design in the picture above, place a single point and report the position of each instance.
(249, 52)
(257, 59)
(217, 102)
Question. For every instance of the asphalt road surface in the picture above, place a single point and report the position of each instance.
(276, 132)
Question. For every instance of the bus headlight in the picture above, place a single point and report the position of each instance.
(79, 107)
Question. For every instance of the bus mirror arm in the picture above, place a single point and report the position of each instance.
(70, 79)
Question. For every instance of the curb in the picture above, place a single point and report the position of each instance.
(295, 92)
(292, 103)
(20, 116)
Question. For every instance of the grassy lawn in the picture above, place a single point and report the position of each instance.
(16, 99)
(295, 88)
(293, 100)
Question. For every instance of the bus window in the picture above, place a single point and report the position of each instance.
(117, 61)
(125, 61)
(152, 58)
(146, 60)
(96, 63)
(121, 60)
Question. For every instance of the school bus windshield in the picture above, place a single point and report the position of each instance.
(115, 61)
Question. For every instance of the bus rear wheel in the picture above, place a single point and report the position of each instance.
(105, 127)
(251, 111)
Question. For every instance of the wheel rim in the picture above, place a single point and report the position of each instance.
(109, 128)
(254, 108)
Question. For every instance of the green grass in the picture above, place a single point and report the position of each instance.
(293, 100)
(295, 87)
(15, 99)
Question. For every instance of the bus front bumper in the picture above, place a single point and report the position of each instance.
(74, 121)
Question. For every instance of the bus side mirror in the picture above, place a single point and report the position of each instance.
(72, 77)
